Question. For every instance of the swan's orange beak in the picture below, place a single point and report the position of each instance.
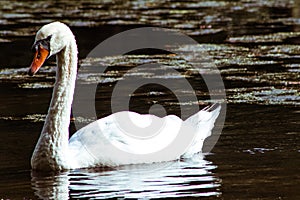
(40, 56)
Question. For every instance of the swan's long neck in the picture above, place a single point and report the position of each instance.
(58, 118)
(51, 152)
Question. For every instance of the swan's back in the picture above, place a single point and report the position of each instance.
(132, 138)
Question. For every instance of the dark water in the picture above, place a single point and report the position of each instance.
(254, 44)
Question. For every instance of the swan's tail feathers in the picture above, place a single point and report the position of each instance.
(207, 116)
(212, 107)
(204, 122)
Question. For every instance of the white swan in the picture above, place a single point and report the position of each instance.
(103, 142)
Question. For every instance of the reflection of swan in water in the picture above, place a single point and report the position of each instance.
(50, 185)
(92, 145)
(185, 178)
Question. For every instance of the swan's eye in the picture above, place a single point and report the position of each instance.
(34, 48)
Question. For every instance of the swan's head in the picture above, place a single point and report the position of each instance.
(49, 40)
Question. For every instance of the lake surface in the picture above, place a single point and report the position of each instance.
(254, 45)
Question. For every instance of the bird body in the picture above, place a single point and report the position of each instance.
(104, 142)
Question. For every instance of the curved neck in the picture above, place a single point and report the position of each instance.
(58, 117)
(60, 107)
(51, 151)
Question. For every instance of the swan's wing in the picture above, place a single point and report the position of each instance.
(123, 138)
(203, 122)
(132, 138)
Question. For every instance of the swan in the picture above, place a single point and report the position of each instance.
(103, 142)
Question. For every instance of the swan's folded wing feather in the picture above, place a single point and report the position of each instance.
(123, 138)
(131, 138)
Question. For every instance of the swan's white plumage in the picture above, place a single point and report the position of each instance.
(103, 142)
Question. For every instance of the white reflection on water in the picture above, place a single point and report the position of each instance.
(186, 178)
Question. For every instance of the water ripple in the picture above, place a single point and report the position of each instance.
(185, 178)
